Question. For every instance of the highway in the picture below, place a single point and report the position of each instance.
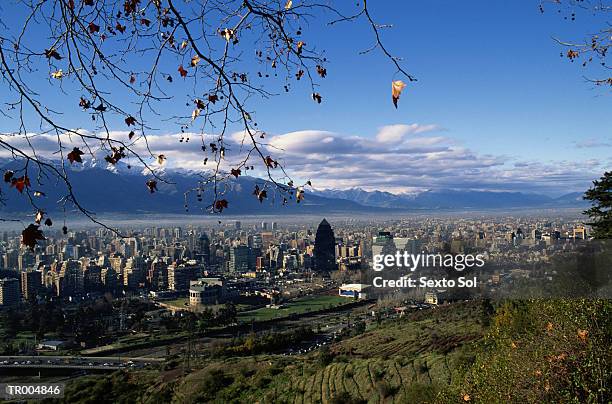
(76, 362)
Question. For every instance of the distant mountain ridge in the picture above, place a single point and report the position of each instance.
(453, 199)
(101, 190)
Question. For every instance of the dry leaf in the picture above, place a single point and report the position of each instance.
(57, 74)
(288, 4)
(195, 114)
(75, 155)
(30, 235)
(152, 185)
(221, 204)
(396, 90)
(161, 159)
(182, 71)
(20, 183)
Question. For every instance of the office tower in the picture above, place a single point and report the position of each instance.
(324, 249)
(31, 283)
(203, 249)
(9, 292)
(242, 259)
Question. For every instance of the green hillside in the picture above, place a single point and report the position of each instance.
(463, 352)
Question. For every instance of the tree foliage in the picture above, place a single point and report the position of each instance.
(99, 78)
(600, 213)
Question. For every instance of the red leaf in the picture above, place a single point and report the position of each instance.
(30, 235)
(20, 183)
(221, 204)
(75, 155)
(130, 120)
(182, 71)
(93, 28)
(236, 172)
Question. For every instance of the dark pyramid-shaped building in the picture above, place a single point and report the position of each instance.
(325, 248)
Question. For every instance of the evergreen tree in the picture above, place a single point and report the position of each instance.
(601, 211)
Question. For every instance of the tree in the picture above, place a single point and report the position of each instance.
(121, 68)
(601, 211)
(591, 51)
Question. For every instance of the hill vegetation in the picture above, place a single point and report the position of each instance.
(527, 351)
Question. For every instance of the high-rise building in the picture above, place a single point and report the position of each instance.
(325, 248)
(242, 259)
(9, 292)
(31, 283)
(203, 249)
(580, 233)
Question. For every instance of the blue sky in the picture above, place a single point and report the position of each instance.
(492, 89)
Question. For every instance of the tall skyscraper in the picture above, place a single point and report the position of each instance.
(9, 292)
(204, 249)
(325, 248)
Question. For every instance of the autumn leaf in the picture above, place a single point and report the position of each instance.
(572, 54)
(195, 113)
(582, 335)
(152, 185)
(317, 97)
(20, 183)
(213, 98)
(321, 71)
(130, 120)
(48, 222)
(288, 4)
(131, 134)
(182, 71)
(300, 45)
(236, 172)
(299, 195)
(466, 397)
(75, 155)
(221, 204)
(8, 175)
(184, 44)
(116, 155)
(261, 194)
(161, 159)
(39, 216)
(52, 53)
(58, 74)
(132, 79)
(64, 230)
(84, 103)
(396, 90)
(30, 235)
(270, 162)
(195, 60)
(549, 326)
(227, 33)
(39, 194)
(120, 28)
(93, 28)
(145, 22)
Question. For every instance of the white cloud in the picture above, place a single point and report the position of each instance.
(398, 158)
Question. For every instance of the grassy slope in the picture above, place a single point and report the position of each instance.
(555, 351)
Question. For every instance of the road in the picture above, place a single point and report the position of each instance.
(76, 362)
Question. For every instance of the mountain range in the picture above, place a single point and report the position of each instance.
(124, 191)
